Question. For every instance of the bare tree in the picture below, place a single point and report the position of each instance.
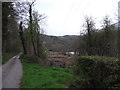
(90, 27)
(31, 26)
(107, 29)
(23, 9)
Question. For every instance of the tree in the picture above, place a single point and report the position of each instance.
(9, 28)
(32, 29)
(5, 18)
(89, 27)
(22, 38)
(31, 26)
(101, 42)
(23, 9)
(107, 33)
(38, 19)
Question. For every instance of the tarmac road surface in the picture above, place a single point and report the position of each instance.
(12, 73)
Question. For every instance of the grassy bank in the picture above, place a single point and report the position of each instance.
(6, 57)
(36, 76)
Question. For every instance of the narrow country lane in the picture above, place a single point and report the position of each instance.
(12, 73)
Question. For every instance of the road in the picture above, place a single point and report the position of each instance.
(12, 73)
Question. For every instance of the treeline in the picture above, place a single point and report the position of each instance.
(22, 29)
(98, 65)
(103, 42)
(10, 39)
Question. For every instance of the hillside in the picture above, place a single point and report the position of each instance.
(60, 43)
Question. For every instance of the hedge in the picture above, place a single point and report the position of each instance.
(96, 72)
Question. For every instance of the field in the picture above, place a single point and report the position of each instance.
(36, 76)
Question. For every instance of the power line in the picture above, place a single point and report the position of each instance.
(71, 8)
(86, 7)
(76, 10)
(78, 6)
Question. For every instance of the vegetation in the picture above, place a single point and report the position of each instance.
(96, 72)
(10, 39)
(31, 35)
(102, 42)
(98, 63)
(27, 38)
(60, 44)
(37, 76)
(50, 52)
(6, 57)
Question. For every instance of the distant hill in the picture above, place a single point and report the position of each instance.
(60, 43)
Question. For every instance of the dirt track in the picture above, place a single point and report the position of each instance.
(12, 73)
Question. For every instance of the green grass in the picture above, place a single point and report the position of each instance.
(51, 52)
(56, 57)
(36, 76)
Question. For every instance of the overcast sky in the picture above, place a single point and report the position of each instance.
(66, 17)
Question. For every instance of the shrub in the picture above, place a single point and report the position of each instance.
(30, 58)
(96, 72)
(34, 59)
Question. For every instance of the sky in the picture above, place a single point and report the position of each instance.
(66, 17)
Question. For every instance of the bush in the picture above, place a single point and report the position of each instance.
(96, 72)
(34, 59)
(30, 58)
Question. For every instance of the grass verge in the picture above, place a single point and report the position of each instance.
(6, 57)
(36, 76)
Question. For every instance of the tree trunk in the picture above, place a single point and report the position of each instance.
(89, 40)
(38, 45)
(31, 29)
(22, 38)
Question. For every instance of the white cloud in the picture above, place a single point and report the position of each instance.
(66, 16)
